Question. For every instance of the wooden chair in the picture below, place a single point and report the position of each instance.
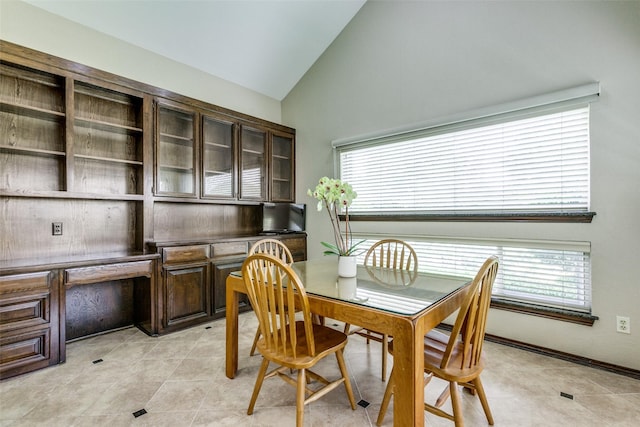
(457, 357)
(279, 250)
(387, 254)
(275, 291)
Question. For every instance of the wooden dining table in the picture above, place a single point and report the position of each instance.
(387, 301)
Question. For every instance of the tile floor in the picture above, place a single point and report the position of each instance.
(179, 380)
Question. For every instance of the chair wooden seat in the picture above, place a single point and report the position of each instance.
(457, 357)
(279, 300)
(326, 341)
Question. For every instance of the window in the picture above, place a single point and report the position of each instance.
(549, 274)
(528, 159)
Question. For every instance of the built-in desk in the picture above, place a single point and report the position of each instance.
(45, 303)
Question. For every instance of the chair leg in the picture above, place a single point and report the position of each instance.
(385, 351)
(258, 386)
(455, 403)
(300, 397)
(443, 397)
(345, 375)
(483, 399)
(385, 400)
(347, 326)
(255, 342)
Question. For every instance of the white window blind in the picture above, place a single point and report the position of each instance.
(539, 163)
(550, 274)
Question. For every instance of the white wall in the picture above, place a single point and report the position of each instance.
(405, 62)
(29, 26)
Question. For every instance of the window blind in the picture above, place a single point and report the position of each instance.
(551, 274)
(535, 164)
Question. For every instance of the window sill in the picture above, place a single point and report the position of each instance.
(547, 312)
(581, 217)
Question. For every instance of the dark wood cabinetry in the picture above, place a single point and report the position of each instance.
(253, 163)
(185, 290)
(219, 158)
(176, 152)
(43, 307)
(119, 165)
(193, 288)
(282, 168)
(204, 156)
(29, 323)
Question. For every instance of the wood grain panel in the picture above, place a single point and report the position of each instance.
(175, 221)
(98, 307)
(89, 227)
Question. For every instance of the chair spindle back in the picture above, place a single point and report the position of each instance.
(275, 292)
(471, 320)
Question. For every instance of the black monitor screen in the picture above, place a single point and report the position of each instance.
(283, 217)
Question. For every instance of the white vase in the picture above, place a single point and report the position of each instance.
(347, 287)
(347, 266)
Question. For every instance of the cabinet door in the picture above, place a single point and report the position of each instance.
(253, 144)
(220, 272)
(282, 173)
(297, 246)
(187, 297)
(218, 159)
(176, 152)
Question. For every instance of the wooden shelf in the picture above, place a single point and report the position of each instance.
(82, 121)
(176, 139)
(69, 195)
(217, 172)
(32, 150)
(175, 168)
(31, 111)
(256, 152)
(109, 159)
(217, 145)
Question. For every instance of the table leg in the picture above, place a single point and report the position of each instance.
(232, 332)
(408, 366)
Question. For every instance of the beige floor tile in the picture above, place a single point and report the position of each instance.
(179, 380)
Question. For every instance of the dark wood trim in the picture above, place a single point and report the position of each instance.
(585, 319)
(580, 360)
(17, 54)
(565, 217)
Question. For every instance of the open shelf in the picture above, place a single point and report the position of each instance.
(114, 127)
(36, 151)
(30, 111)
(109, 159)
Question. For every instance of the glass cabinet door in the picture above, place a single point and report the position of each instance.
(218, 159)
(282, 169)
(175, 153)
(253, 144)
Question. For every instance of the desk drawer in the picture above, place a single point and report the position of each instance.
(185, 253)
(229, 249)
(20, 283)
(107, 272)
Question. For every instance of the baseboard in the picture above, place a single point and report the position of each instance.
(580, 360)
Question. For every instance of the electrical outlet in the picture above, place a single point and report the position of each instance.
(623, 324)
(56, 228)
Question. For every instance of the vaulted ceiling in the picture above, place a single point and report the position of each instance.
(263, 45)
